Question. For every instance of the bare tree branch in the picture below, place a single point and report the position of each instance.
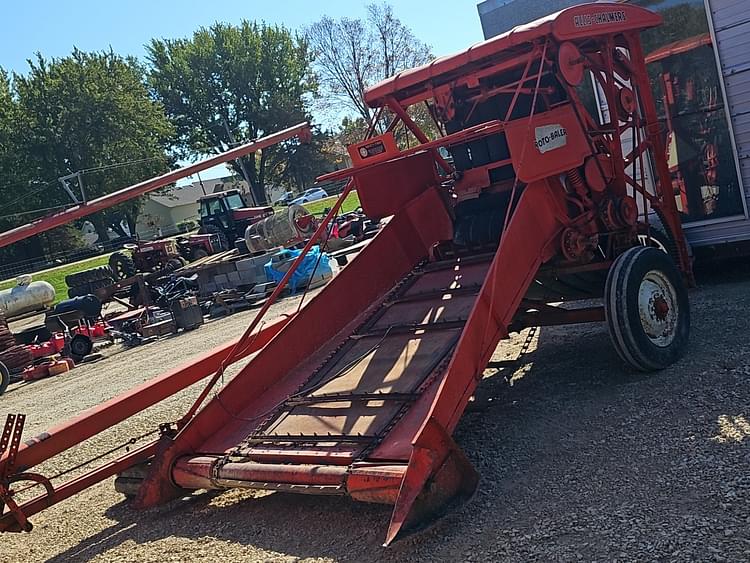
(351, 55)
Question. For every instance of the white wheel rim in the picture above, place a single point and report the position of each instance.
(658, 308)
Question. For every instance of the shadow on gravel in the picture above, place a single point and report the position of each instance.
(579, 458)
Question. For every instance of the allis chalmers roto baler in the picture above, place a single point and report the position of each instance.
(519, 199)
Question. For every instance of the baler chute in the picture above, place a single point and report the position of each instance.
(543, 203)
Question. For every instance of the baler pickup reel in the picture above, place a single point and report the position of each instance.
(525, 200)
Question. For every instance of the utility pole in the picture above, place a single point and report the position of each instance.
(241, 161)
(203, 188)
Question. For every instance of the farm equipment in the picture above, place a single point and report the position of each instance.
(359, 392)
(153, 256)
(194, 247)
(226, 215)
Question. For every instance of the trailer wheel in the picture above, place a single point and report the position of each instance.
(647, 309)
(4, 378)
(80, 347)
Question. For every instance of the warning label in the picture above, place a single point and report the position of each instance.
(550, 137)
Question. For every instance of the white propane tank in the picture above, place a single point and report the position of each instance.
(279, 229)
(26, 296)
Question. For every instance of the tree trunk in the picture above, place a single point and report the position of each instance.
(101, 228)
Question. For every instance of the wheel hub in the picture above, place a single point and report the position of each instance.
(657, 308)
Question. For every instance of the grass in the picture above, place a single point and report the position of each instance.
(318, 206)
(56, 276)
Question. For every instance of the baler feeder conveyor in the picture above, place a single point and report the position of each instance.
(540, 200)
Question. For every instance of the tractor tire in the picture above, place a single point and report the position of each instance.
(174, 263)
(78, 291)
(16, 357)
(4, 378)
(655, 238)
(7, 340)
(647, 309)
(89, 288)
(89, 276)
(198, 253)
(122, 265)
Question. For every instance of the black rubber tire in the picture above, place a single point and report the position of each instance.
(654, 237)
(89, 276)
(198, 253)
(173, 264)
(89, 288)
(80, 347)
(621, 307)
(4, 378)
(77, 291)
(122, 265)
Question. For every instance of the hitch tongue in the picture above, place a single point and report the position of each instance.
(10, 440)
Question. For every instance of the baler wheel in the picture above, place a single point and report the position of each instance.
(647, 309)
(654, 237)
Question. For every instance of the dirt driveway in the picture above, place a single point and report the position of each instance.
(579, 460)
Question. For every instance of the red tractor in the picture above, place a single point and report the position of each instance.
(226, 215)
(162, 255)
(146, 256)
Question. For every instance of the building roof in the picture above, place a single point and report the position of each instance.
(577, 22)
(191, 193)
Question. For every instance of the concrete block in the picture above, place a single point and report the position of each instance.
(233, 278)
(207, 288)
(246, 264)
(220, 279)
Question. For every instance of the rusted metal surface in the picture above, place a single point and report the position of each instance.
(360, 392)
(93, 421)
(400, 357)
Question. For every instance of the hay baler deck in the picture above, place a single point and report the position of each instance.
(542, 201)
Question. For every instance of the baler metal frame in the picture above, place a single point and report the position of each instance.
(406, 350)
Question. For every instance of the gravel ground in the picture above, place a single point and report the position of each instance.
(580, 460)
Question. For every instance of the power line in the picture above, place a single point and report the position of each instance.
(21, 213)
(27, 194)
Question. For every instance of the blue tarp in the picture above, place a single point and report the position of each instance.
(304, 271)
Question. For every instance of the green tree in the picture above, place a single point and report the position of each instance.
(299, 165)
(229, 84)
(90, 113)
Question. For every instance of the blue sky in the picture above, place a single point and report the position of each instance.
(53, 27)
